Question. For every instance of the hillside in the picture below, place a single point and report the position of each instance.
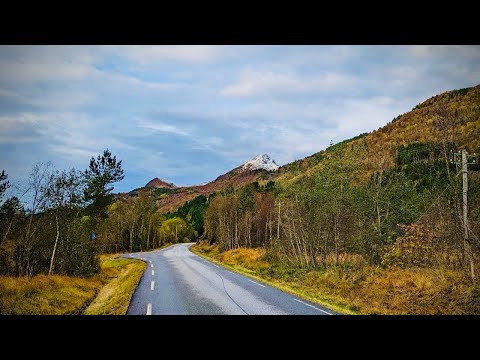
(374, 224)
(378, 149)
(453, 116)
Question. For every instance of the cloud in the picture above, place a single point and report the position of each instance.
(449, 51)
(162, 127)
(145, 55)
(30, 64)
(254, 83)
(190, 113)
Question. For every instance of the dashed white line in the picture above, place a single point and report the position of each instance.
(152, 285)
(151, 265)
(256, 283)
(304, 303)
(150, 261)
(149, 309)
(153, 272)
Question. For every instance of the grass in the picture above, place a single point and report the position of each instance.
(46, 295)
(64, 295)
(355, 287)
(115, 296)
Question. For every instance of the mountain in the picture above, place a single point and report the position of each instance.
(170, 197)
(159, 183)
(421, 125)
(261, 162)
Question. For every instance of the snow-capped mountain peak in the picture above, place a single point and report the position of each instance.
(261, 162)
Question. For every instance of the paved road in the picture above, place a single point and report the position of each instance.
(178, 281)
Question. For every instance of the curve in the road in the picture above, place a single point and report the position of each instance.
(178, 281)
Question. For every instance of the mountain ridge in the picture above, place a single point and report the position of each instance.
(380, 146)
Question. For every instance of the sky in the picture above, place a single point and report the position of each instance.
(188, 114)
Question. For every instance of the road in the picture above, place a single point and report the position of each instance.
(178, 282)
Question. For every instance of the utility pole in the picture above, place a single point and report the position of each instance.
(278, 222)
(466, 241)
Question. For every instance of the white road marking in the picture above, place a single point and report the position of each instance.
(152, 285)
(304, 303)
(150, 261)
(149, 309)
(256, 283)
(151, 265)
(153, 272)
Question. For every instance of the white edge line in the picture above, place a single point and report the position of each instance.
(152, 285)
(304, 303)
(149, 309)
(256, 283)
(153, 272)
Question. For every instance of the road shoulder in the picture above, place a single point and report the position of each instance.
(278, 285)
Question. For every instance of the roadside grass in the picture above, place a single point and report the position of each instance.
(65, 295)
(124, 274)
(115, 296)
(46, 295)
(354, 287)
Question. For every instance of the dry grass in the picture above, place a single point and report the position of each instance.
(114, 298)
(46, 295)
(62, 295)
(250, 259)
(353, 286)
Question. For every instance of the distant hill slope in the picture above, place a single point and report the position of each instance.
(460, 110)
(169, 197)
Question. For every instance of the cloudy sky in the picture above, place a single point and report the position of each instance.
(190, 113)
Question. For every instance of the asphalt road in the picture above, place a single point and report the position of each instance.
(179, 282)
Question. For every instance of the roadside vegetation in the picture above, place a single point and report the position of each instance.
(373, 224)
(353, 287)
(65, 295)
(55, 231)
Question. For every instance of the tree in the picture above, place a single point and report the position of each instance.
(4, 183)
(63, 192)
(175, 230)
(102, 172)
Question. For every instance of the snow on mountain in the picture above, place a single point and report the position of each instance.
(261, 162)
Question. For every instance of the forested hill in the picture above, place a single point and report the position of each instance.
(376, 221)
(452, 117)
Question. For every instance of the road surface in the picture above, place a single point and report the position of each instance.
(178, 282)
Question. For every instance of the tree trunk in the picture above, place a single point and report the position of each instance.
(55, 246)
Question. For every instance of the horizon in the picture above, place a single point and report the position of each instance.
(188, 114)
